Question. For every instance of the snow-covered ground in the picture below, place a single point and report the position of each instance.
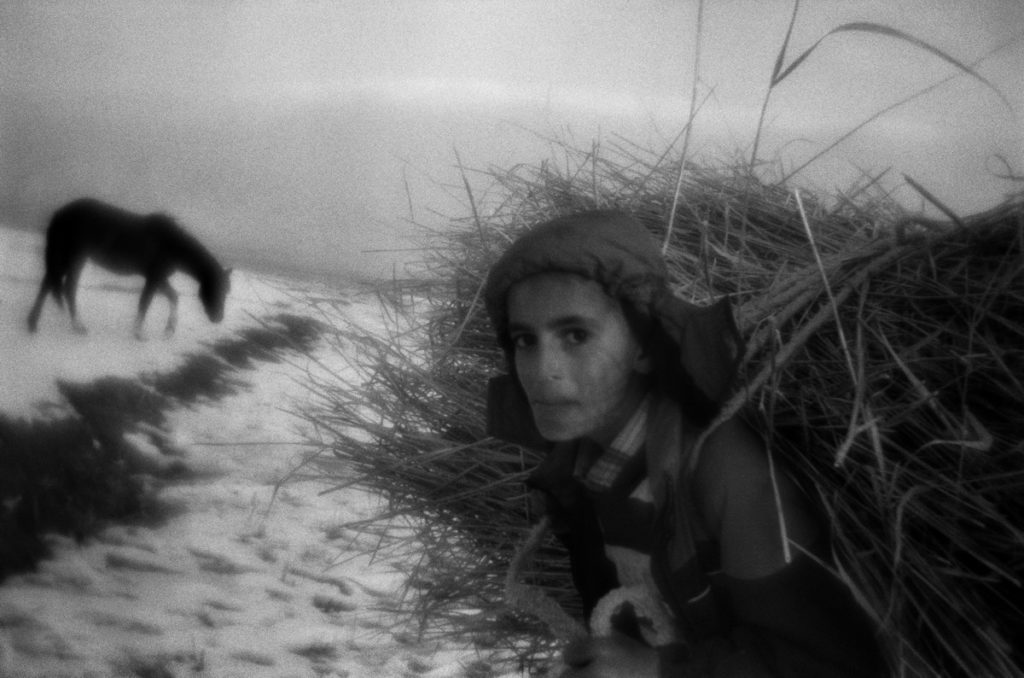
(249, 577)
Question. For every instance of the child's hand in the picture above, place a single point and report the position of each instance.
(609, 657)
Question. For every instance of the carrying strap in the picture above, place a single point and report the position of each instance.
(686, 570)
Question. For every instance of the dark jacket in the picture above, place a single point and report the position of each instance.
(746, 606)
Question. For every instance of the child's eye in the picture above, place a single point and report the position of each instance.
(521, 341)
(576, 336)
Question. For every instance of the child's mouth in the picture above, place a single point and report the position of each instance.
(552, 408)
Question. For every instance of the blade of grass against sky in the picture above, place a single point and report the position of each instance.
(779, 74)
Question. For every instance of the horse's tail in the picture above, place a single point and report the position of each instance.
(56, 257)
(57, 290)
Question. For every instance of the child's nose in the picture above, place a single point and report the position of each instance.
(550, 362)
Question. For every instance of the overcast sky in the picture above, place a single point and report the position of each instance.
(490, 67)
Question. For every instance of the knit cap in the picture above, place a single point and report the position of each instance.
(614, 249)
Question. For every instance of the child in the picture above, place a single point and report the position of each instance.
(616, 378)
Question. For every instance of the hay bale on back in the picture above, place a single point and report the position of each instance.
(910, 434)
(894, 387)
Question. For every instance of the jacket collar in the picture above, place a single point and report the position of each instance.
(668, 445)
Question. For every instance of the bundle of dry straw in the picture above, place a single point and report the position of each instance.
(885, 361)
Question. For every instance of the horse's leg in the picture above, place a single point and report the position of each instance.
(145, 298)
(71, 292)
(172, 317)
(37, 307)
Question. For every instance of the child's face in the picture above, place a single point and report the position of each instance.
(575, 355)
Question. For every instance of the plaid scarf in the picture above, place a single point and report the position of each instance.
(598, 472)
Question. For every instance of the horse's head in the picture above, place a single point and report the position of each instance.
(213, 291)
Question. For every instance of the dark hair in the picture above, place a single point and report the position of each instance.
(666, 377)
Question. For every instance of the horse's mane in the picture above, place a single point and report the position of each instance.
(199, 260)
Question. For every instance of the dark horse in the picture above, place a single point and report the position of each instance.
(126, 243)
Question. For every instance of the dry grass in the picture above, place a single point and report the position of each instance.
(884, 360)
